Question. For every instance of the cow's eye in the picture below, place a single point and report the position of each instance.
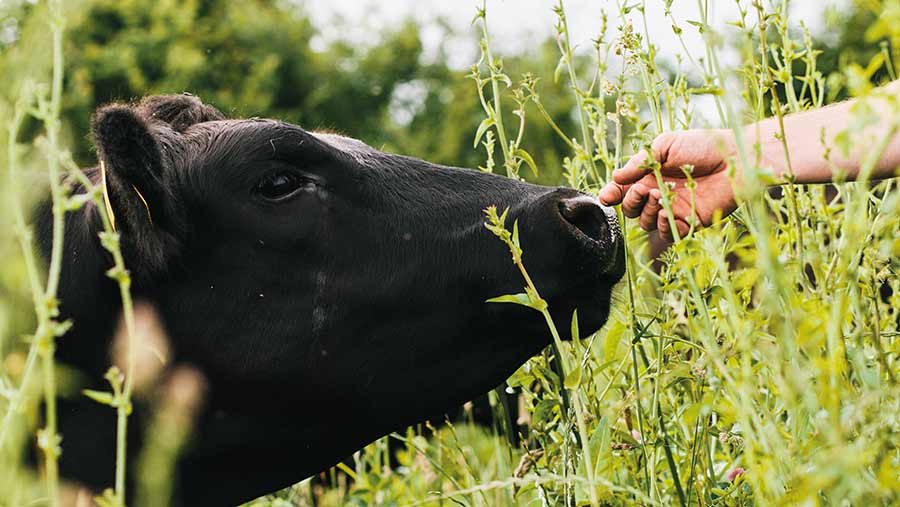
(279, 186)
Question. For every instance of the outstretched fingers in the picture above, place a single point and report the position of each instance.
(650, 211)
(665, 226)
(681, 213)
(634, 200)
(620, 188)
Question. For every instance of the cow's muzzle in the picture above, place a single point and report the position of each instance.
(595, 225)
(591, 219)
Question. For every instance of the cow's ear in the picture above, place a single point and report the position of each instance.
(137, 198)
(178, 111)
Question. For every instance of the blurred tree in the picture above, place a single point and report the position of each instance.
(857, 34)
(249, 58)
(254, 58)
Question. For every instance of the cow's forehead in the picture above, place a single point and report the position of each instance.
(353, 147)
(220, 143)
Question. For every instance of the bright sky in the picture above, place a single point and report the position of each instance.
(517, 25)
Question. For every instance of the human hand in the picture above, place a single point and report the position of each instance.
(635, 185)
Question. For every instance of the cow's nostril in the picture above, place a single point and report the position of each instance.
(586, 215)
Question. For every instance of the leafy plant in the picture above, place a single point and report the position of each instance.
(758, 364)
(754, 363)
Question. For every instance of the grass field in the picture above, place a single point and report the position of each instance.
(756, 364)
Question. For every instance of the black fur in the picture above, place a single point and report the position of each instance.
(178, 111)
(321, 322)
(143, 205)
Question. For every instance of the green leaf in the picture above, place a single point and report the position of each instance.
(690, 415)
(103, 397)
(599, 444)
(559, 68)
(482, 128)
(706, 90)
(574, 329)
(515, 237)
(347, 470)
(548, 374)
(573, 378)
(613, 339)
(874, 64)
(503, 216)
(525, 489)
(746, 279)
(61, 328)
(520, 377)
(718, 492)
(524, 155)
(108, 499)
(519, 299)
(534, 300)
(543, 411)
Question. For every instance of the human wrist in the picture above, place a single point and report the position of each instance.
(764, 153)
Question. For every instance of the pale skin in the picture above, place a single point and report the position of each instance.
(634, 186)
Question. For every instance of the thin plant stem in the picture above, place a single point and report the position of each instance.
(566, 48)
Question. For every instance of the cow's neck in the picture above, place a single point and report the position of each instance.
(285, 447)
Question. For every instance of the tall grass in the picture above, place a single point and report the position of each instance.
(756, 366)
(42, 343)
(44, 103)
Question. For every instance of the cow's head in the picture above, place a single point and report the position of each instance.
(306, 269)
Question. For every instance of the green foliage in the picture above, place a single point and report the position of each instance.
(758, 366)
(247, 58)
(254, 58)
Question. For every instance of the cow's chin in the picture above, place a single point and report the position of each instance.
(589, 288)
(497, 344)
(610, 256)
(591, 309)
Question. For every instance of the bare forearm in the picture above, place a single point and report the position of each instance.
(815, 162)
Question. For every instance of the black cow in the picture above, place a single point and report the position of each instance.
(330, 293)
